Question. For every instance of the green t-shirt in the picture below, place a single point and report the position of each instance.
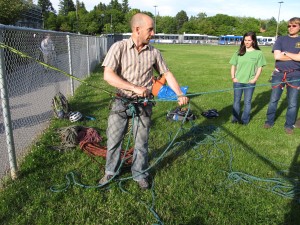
(246, 65)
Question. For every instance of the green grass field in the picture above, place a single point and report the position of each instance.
(214, 172)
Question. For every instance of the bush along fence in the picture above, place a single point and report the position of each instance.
(30, 65)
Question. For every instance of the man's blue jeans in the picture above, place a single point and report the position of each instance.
(248, 90)
(292, 98)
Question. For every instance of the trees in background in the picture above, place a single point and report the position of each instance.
(66, 6)
(11, 10)
(49, 14)
(115, 17)
(46, 6)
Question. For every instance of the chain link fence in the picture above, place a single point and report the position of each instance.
(27, 87)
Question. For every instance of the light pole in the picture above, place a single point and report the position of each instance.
(102, 16)
(77, 17)
(111, 26)
(278, 19)
(155, 19)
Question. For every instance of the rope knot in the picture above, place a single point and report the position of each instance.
(132, 109)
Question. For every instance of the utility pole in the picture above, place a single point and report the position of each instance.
(278, 20)
(111, 26)
(77, 22)
(155, 19)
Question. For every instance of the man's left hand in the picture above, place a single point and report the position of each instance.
(182, 100)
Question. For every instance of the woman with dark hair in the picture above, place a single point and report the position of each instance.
(246, 67)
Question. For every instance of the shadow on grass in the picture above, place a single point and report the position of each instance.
(195, 221)
(260, 101)
(192, 137)
(293, 217)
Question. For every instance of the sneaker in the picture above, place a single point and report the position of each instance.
(289, 130)
(105, 179)
(267, 126)
(143, 184)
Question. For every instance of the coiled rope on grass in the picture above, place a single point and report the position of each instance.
(71, 179)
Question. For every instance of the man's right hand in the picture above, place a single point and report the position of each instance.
(141, 91)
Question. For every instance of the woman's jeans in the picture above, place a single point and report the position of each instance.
(248, 90)
(292, 98)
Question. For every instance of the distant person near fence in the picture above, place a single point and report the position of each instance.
(48, 50)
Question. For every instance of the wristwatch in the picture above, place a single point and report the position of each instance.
(284, 53)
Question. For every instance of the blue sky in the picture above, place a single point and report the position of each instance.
(263, 9)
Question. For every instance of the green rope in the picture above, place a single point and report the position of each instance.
(68, 137)
(24, 55)
(171, 98)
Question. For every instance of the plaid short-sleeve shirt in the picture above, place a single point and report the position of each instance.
(133, 66)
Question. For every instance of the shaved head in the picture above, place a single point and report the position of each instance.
(139, 20)
(142, 29)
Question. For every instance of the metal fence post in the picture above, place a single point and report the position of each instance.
(88, 56)
(70, 65)
(97, 49)
(7, 117)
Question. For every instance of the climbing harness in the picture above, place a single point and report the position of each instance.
(285, 72)
(180, 114)
(134, 106)
(210, 114)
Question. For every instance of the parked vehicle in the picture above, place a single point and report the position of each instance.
(266, 40)
(162, 38)
(230, 40)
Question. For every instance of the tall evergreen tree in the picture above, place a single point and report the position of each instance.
(46, 6)
(114, 4)
(181, 18)
(66, 6)
(125, 6)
